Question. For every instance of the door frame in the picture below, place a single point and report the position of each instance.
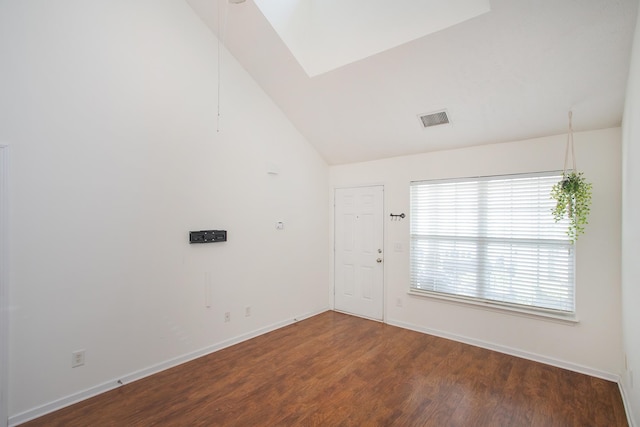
(333, 247)
(4, 285)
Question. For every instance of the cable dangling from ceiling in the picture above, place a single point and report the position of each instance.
(222, 31)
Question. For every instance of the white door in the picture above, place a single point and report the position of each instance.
(358, 251)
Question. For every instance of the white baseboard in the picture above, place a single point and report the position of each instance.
(626, 400)
(137, 375)
(511, 351)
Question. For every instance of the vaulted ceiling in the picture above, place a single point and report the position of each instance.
(506, 74)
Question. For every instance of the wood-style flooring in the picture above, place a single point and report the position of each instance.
(339, 370)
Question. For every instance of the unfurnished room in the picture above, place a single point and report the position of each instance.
(319, 213)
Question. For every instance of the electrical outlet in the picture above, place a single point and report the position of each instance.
(399, 302)
(77, 358)
(247, 311)
(227, 317)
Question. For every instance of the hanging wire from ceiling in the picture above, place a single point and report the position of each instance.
(220, 35)
(222, 32)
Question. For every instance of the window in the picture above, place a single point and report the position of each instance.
(492, 240)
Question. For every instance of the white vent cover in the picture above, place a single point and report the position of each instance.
(434, 119)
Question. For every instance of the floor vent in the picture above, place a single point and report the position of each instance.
(434, 119)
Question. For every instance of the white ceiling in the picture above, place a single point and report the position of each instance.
(326, 34)
(512, 73)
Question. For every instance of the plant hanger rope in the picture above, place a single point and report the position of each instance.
(573, 193)
(569, 144)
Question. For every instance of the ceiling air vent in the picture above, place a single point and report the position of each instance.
(434, 119)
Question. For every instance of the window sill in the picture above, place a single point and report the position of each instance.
(514, 310)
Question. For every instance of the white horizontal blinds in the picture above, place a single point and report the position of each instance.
(492, 239)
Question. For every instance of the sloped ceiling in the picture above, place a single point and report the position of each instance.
(508, 74)
(326, 34)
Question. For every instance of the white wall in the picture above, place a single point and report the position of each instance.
(109, 109)
(631, 232)
(4, 288)
(591, 346)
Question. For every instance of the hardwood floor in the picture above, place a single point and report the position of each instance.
(339, 370)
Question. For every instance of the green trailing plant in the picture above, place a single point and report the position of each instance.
(572, 193)
(573, 201)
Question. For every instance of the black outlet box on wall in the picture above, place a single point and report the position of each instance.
(208, 236)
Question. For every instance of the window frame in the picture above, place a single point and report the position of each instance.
(491, 304)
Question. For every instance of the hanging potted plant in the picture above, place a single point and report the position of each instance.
(572, 194)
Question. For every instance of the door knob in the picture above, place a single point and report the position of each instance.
(379, 260)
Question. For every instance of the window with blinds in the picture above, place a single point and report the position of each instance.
(494, 240)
